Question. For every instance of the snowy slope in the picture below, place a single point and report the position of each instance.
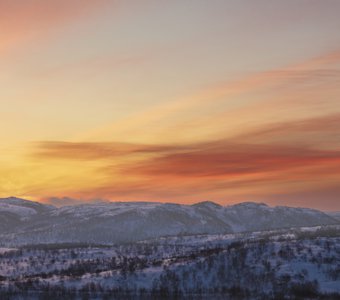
(284, 264)
(15, 212)
(335, 215)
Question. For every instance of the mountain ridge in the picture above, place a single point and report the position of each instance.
(204, 202)
(24, 221)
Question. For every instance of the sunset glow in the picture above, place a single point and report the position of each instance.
(171, 101)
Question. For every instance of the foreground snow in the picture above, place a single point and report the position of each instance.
(301, 263)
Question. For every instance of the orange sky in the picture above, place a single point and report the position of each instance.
(172, 101)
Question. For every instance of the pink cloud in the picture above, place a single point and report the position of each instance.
(24, 21)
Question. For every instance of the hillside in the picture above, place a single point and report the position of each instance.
(26, 222)
(286, 264)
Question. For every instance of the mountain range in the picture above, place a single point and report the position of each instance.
(28, 222)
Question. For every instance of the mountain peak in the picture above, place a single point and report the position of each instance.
(208, 204)
(14, 200)
(19, 202)
(250, 205)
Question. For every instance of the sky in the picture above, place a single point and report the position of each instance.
(171, 101)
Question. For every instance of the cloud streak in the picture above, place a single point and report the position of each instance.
(232, 160)
(95, 151)
(277, 157)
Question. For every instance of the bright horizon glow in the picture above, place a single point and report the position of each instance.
(175, 101)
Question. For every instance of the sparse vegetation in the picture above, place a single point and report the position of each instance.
(278, 265)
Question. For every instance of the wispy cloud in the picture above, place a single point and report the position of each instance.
(317, 132)
(280, 86)
(95, 151)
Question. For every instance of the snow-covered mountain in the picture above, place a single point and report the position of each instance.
(22, 208)
(15, 212)
(23, 221)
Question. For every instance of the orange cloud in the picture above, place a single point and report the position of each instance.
(280, 157)
(229, 160)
